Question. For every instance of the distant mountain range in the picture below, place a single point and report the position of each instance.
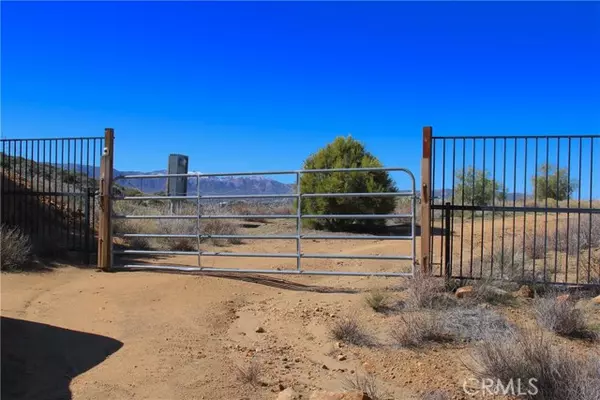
(241, 185)
(231, 185)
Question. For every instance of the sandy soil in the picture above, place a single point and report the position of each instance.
(143, 335)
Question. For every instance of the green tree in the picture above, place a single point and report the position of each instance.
(477, 188)
(557, 186)
(345, 152)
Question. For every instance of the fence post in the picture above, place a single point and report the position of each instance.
(106, 177)
(448, 241)
(425, 202)
(86, 217)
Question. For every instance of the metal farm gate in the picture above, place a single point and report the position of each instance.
(194, 205)
(520, 208)
(48, 191)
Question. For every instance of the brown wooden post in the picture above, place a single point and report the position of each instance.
(425, 200)
(106, 177)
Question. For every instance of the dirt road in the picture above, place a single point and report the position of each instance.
(182, 336)
(82, 334)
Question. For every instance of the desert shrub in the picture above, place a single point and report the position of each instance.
(377, 300)
(365, 384)
(534, 246)
(592, 261)
(562, 317)
(170, 226)
(506, 262)
(558, 374)
(249, 374)
(261, 208)
(350, 331)
(486, 291)
(418, 329)
(436, 395)
(575, 234)
(553, 183)
(15, 248)
(427, 292)
(346, 153)
(174, 227)
(404, 206)
(473, 323)
(457, 323)
(220, 227)
(589, 232)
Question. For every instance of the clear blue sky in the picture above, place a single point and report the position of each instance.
(259, 86)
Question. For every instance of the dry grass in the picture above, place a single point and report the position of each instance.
(366, 384)
(473, 323)
(350, 331)
(486, 291)
(256, 208)
(579, 232)
(456, 323)
(559, 374)
(171, 226)
(506, 262)
(592, 261)
(249, 374)
(377, 300)
(418, 329)
(15, 248)
(533, 248)
(427, 292)
(436, 395)
(562, 317)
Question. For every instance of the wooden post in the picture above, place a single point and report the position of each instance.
(106, 177)
(425, 201)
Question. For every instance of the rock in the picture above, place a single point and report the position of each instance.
(563, 298)
(259, 329)
(322, 395)
(596, 300)
(341, 357)
(324, 366)
(465, 291)
(524, 292)
(288, 394)
(368, 367)
(281, 387)
(339, 345)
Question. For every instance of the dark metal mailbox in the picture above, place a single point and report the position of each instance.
(178, 164)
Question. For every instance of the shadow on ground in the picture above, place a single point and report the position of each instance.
(39, 361)
(258, 279)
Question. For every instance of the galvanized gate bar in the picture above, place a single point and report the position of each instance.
(151, 267)
(261, 237)
(268, 216)
(298, 216)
